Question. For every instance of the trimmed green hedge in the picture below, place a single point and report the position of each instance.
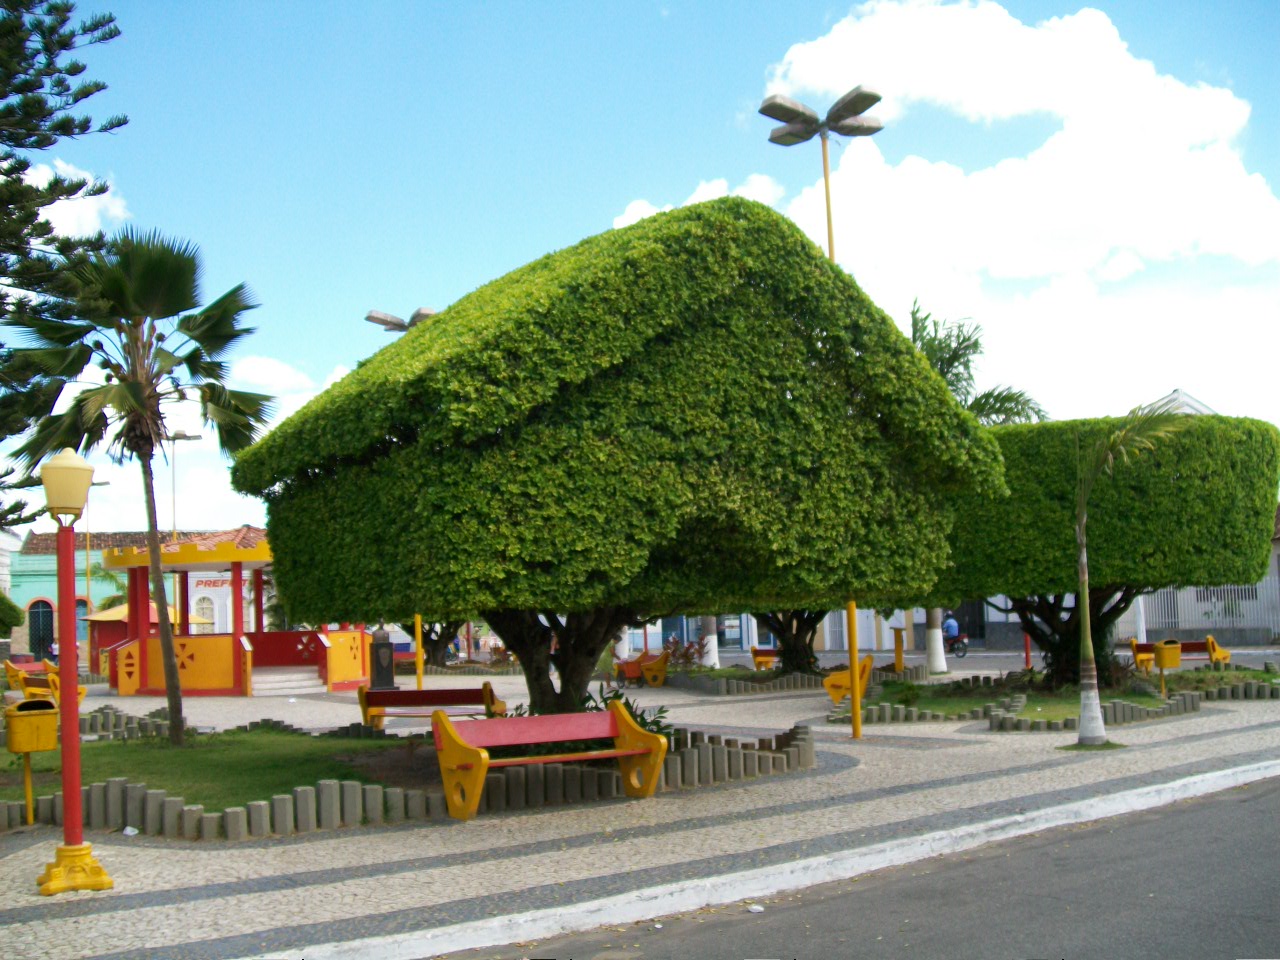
(11, 616)
(696, 412)
(1198, 510)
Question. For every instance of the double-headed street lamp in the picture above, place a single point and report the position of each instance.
(393, 324)
(66, 478)
(800, 124)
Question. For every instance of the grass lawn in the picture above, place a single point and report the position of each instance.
(1057, 705)
(223, 769)
(1208, 679)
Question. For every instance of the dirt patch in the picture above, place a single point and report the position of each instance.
(412, 767)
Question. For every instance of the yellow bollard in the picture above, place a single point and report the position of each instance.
(417, 646)
(855, 693)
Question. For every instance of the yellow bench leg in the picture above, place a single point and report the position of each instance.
(462, 768)
(639, 773)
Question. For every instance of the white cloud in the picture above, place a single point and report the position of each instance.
(636, 211)
(1143, 181)
(269, 375)
(83, 216)
(761, 188)
(708, 190)
(757, 186)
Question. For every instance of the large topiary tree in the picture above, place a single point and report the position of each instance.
(11, 616)
(697, 412)
(1197, 509)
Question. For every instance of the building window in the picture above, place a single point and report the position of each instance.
(204, 608)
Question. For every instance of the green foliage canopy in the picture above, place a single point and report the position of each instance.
(11, 616)
(692, 413)
(1197, 510)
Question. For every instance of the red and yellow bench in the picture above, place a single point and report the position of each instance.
(1144, 654)
(377, 705)
(650, 668)
(837, 684)
(764, 658)
(27, 678)
(463, 750)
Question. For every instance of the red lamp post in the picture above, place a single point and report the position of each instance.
(66, 478)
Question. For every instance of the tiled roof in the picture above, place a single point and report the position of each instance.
(47, 543)
(242, 538)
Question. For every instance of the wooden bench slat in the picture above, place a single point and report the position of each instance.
(565, 757)
(424, 698)
(552, 728)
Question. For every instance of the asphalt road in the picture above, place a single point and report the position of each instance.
(1197, 879)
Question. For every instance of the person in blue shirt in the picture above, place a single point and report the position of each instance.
(950, 629)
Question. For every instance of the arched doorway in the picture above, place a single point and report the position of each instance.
(40, 628)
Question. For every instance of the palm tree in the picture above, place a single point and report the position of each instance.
(115, 581)
(1137, 432)
(951, 349)
(140, 321)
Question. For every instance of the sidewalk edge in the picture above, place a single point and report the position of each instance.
(667, 899)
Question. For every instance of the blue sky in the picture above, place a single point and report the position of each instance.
(1097, 190)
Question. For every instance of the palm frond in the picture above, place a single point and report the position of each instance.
(200, 367)
(1003, 405)
(166, 361)
(1137, 432)
(65, 363)
(77, 428)
(43, 332)
(950, 349)
(123, 397)
(145, 275)
(215, 328)
(236, 414)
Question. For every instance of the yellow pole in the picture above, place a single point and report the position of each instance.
(855, 694)
(826, 183)
(897, 648)
(26, 785)
(417, 645)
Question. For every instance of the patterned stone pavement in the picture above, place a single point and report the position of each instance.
(278, 897)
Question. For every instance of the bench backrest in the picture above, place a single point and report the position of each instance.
(461, 697)
(548, 728)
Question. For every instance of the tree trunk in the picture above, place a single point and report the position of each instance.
(436, 640)
(795, 630)
(580, 639)
(1093, 731)
(936, 650)
(711, 650)
(172, 681)
(1055, 628)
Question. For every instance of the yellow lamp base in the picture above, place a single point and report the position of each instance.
(73, 868)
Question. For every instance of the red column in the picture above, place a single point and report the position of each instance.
(69, 674)
(184, 604)
(131, 630)
(258, 624)
(237, 603)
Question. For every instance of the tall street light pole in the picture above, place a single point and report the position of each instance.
(66, 478)
(393, 324)
(799, 125)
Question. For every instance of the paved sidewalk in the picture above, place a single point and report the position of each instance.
(418, 882)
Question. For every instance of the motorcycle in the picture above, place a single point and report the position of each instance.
(957, 646)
